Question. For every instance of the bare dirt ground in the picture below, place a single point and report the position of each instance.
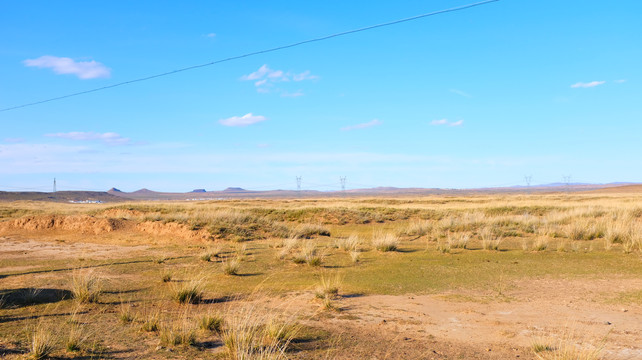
(556, 312)
(464, 325)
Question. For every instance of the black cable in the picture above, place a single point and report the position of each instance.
(253, 54)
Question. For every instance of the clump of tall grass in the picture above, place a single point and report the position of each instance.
(85, 286)
(351, 243)
(179, 332)
(211, 322)
(355, 256)
(444, 247)
(189, 292)
(385, 242)
(251, 332)
(231, 266)
(328, 286)
(125, 314)
(308, 254)
(166, 276)
(77, 337)
(459, 241)
(42, 342)
(540, 244)
(151, 321)
(309, 230)
(490, 241)
(417, 228)
(210, 253)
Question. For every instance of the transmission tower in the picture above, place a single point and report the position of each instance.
(343, 183)
(567, 180)
(298, 183)
(54, 186)
(528, 179)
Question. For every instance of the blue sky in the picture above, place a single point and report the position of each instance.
(479, 97)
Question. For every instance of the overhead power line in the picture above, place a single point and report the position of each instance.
(322, 38)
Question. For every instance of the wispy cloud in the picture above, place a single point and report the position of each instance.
(245, 120)
(588, 84)
(460, 93)
(447, 122)
(109, 138)
(292, 94)
(264, 78)
(620, 81)
(14, 140)
(210, 35)
(63, 65)
(374, 122)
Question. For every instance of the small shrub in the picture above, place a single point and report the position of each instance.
(385, 242)
(167, 277)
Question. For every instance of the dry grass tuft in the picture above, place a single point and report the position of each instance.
(490, 241)
(231, 266)
(189, 292)
(251, 332)
(178, 332)
(385, 242)
(350, 243)
(85, 286)
(42, 344)
(211, 322)
(459, 241)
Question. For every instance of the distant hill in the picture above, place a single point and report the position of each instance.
(637, 188)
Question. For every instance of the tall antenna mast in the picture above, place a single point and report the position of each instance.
(54, 186)
(343, 183)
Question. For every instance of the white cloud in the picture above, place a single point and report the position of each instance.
(210, 35)
(306, 75)
(266, 77)
(62, 65)
(245, 120)
(374, 122)
(293, 94)
(14, 140)
(109, 138)
(620, 81)
(460, 93)
(447, 122)
(588, 84)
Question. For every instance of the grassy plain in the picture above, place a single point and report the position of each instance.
(428, 277)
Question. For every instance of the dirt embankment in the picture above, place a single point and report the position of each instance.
(85, 224)
(172, 229)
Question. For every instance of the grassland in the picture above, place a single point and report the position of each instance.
(323, 278)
